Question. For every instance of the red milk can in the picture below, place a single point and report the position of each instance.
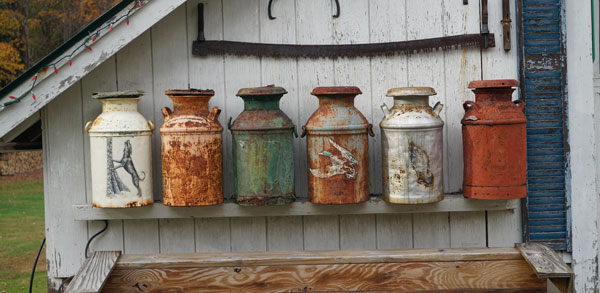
(494, 142)
(338, 148)
(192, 150)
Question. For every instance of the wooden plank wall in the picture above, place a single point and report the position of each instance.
(160, 59)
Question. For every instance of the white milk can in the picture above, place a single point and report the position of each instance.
(120, 152)
(412, 147)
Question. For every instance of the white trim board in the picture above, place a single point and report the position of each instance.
(452, 203)
(50, 85)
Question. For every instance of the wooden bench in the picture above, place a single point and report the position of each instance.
(524, 268)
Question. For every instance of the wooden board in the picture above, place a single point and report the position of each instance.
(354, 270)
(545, 262)
(452, 203)
(94, 272)
(348, 277)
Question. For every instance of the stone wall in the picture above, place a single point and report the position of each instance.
(20, 162)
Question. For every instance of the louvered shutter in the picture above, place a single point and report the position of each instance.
(542, 77)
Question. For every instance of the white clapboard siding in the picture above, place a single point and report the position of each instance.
(460, 66)
(64, 183)
(504, 227)
(161, 59)
(170, 71)
(387, 20)
(208, 73)
(102, 79)
(427, 69)
(134, 68)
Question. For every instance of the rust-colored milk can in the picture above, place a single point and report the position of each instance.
(494, 142)
(192, 153)
(338, 148)
(263, 149)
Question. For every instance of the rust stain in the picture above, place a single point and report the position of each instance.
(419, 161)
(192, 155)
(494, 144)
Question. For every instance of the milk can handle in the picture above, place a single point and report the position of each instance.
(151, 124)
(370, 130)
(88, 125)
(166, 112)
(520, 103)
(470, 104)
(214, 113)
(303, 131)
(385, 110)
(438, 107)
(229, 123)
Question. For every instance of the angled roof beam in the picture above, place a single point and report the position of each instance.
(49, 85)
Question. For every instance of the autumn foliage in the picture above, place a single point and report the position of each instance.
(30, 29)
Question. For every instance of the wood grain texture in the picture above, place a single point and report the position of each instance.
(394, 231)
(504, 227)
(94, 272)
(332, 277)
(197, 260)
(176, 235)
(356, 232)
(213, 234)
(545, 262)
(248, 234)
(431, 230)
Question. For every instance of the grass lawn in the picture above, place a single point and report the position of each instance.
(21, 233)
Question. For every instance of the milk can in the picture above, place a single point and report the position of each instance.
(412, 147)
(120, 152)
(192, 150)
(338, 148)
(494, 142)
(263, 149)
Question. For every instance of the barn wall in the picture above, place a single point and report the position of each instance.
(161, 59)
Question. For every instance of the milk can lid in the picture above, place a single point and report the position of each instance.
(270, 90)
(411, 91)
(496, 83)
(190, 92)
(336, 90)
(119, 94)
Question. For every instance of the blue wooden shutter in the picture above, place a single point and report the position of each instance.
(542, 78)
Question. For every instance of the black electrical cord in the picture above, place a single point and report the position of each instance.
(35, 265)
(87, 246)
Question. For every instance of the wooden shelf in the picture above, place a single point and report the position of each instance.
(451, 203)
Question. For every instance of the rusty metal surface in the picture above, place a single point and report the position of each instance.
(206, 48)
(263, 149)
(412, 148)
(506, 25)
(192, 154)
(337, 148)
(494, 143)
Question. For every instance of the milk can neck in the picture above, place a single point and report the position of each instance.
(336, 101)
(411, 100)
(493, 94)
(190, 104)
(120, 105)
(270, 102)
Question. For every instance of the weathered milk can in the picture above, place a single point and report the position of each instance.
(412, 147)
(192, 150)
(120, 152)
(494, 142)
(263, 149)
(338, 148)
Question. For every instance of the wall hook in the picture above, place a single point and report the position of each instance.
(269, 10)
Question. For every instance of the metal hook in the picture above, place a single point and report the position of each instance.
(269, 10)
(337, 6)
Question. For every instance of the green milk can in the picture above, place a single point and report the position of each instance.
(263, 149)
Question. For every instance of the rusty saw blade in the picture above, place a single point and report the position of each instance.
(206, 48)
